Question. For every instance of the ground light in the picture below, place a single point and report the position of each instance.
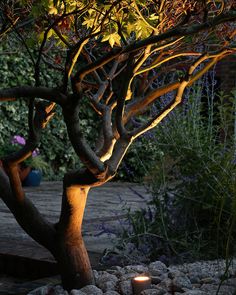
(141, 283)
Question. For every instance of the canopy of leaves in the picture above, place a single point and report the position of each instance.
(115, 55)
(112, 21)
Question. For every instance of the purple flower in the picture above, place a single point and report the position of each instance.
(35, 153)
(18, 139)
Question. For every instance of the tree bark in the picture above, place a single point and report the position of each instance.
(70, 251)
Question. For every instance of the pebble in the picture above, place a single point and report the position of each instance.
(91, 289)
(125, 287)
(136, 268)
(106, 281)
(157, 268)
(199, 278)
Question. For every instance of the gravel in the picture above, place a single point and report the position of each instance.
(199, 278)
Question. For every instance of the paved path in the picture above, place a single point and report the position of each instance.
(104, 208)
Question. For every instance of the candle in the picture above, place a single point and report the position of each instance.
(141, 283)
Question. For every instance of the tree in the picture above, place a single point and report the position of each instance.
(111, 56)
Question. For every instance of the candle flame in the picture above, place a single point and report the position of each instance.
(141, 278)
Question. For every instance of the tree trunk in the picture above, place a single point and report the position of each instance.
(70, 251)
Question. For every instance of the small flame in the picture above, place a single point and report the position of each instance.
(141, 278)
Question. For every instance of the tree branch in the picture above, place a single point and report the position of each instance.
(172, 33)
(81, 147)
(50, 94)
(187, 81)
(108, 138)
(27, 215)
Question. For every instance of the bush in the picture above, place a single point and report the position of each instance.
(193, 182)
(55, 146)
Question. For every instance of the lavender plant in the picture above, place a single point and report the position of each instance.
(193, 210)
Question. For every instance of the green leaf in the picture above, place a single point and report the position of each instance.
(113, 39)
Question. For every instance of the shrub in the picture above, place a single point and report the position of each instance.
(193, 182)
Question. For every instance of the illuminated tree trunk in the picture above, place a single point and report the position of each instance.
(71, 253)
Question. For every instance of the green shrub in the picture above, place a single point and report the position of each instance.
(193, 183)
(55, 146)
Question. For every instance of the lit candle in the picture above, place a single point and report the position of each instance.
(141, 283)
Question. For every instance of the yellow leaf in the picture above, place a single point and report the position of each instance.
(113, 38)
(130, 28)
(88, 22)
(105, 38)
(111, 41)
(52, 10)
(50, 32)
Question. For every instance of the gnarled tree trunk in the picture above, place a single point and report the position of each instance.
(70, 251)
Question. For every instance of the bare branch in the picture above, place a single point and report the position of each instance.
(107, 136)
(135, 107)
(43, 113)
(172, 33)
(120, 148)
(27, 215)
(5, 29)
(188, 80)
(123, 95)
(80, 145)
(50, 94)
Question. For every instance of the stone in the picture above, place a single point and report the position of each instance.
(117, 268)
(126, 288)
(128, 276)
(194, 277)
(106, 286)
(95, 274)
(194, 292)
(208, 280)
(224, 290)
(156, 279)
(199, 278)
(181, 282)
(230, 282)
(166, 284)
(49, 289)
(106, 281)
(196, 286)
(175, 273)
(157, 268)
(91, 290)
(113, 272)
(136, 268)
(76, 292)
(154, 291)
(58, 290)
(111, 293)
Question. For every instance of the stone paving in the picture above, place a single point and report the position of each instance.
(104, 208)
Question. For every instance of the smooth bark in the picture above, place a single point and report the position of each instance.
(71, 252)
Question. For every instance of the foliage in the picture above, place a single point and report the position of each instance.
(107, 57)
(53, 32)
(55, 147)
(192, 212)
(16, 70)
(139, 159)
(36, 161)
(196, 179)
